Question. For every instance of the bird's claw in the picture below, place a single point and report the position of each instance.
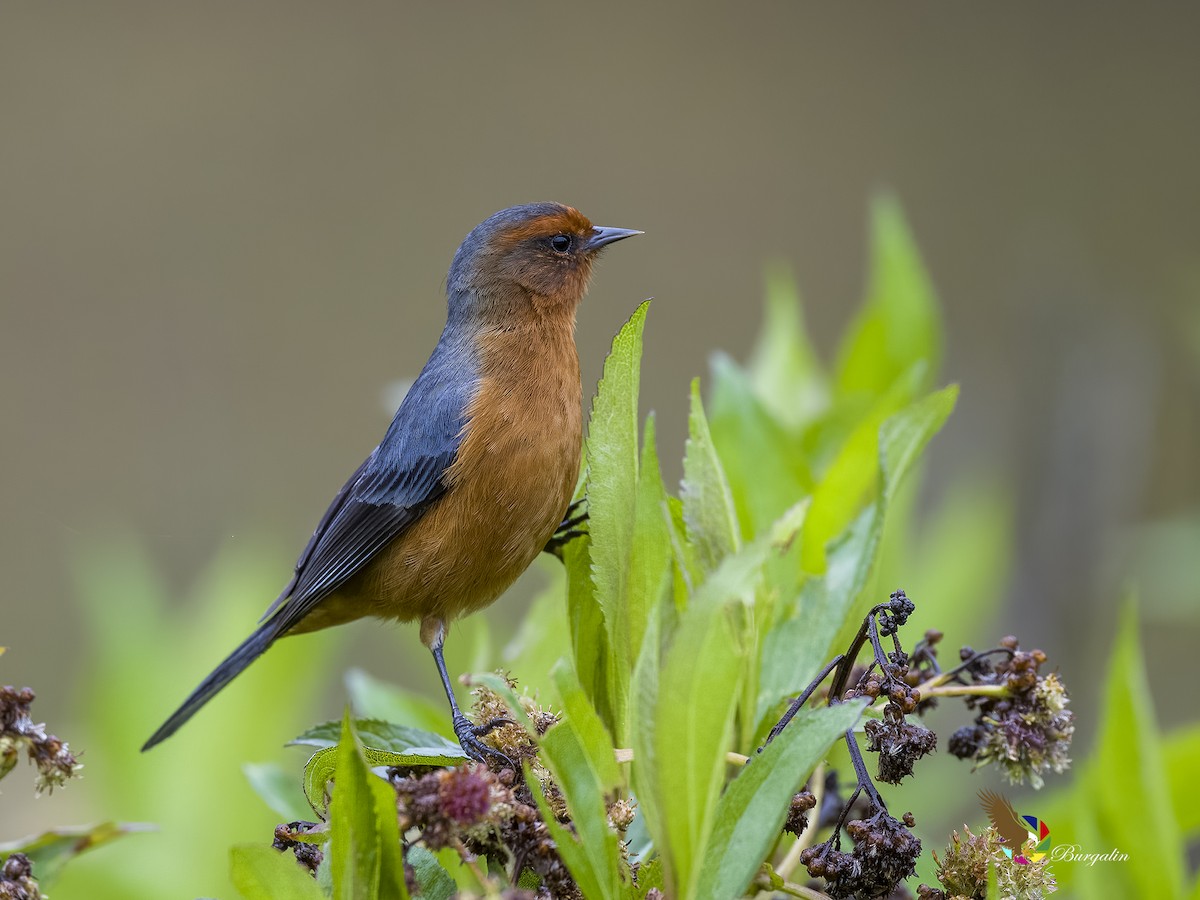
(568, 530)
(491, 725)
(468, 735)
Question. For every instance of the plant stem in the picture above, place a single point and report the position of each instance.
(864, 779)
(795, 705)
(796, 890)
(963, 690)
(943, 677)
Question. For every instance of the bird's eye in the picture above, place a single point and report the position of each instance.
(561, 243)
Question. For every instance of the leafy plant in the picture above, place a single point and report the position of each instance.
(692, 618)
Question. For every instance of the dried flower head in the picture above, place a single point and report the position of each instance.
(16, 879)
(482, 813)
(620, 814)
(53, 758)
(464, 793)
(1027, 729)
(307, 854)
(885, 853)
(964, 870)
(899, 743)
(797, 818)
(511, 739)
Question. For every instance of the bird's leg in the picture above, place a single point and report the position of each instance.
(468, 733)
(568, 530)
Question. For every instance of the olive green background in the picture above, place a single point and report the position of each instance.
(224, 230)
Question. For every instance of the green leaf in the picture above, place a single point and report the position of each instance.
(738, 585)
(752, 810)
(322, 766)
(263, 873)
(901, 439)
(645, 772)
(1129, 766)
(852, 478)
(764, 464)
(648, 577)
(708, 510)
(589, 636)
(380, 735)
(682, 726)
(993, 883)
(51, 850)
(365, 836)
(649, 876)
(1181, 752)
(387, 744)
(787, 375)
(434, 881)
(904, 435)
(579, 753)
(899, 325)
(688, 574)
(372, 698)
(795, 649)
(612, 489)
(278, 788)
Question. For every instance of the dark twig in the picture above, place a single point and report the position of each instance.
(795, 705)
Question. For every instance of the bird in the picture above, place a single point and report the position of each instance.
(474, 476)
(1013, 832)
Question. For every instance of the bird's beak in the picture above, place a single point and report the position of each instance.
(604, 236)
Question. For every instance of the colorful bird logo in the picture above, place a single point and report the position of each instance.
(1026, 839)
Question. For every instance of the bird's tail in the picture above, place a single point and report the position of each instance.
(247, 652)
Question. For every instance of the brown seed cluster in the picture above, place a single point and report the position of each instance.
(893, 676)
(898, 742)
(485, 814)
(442, 803)
(307, 854)
(53, 758)
(797, 818)
(1021, 723)
(885, 853)
(16, 879)
(489, 810)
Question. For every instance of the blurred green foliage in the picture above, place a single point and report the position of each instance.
(145, 653)
(676, 630)
(1136, 793)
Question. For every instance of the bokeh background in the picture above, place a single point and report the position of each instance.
(224, 230)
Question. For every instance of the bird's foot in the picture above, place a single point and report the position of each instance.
(568, 530)
(468, 735)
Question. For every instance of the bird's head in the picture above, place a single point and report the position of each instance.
(539, 256)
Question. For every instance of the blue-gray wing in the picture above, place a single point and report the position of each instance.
(390, 491)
